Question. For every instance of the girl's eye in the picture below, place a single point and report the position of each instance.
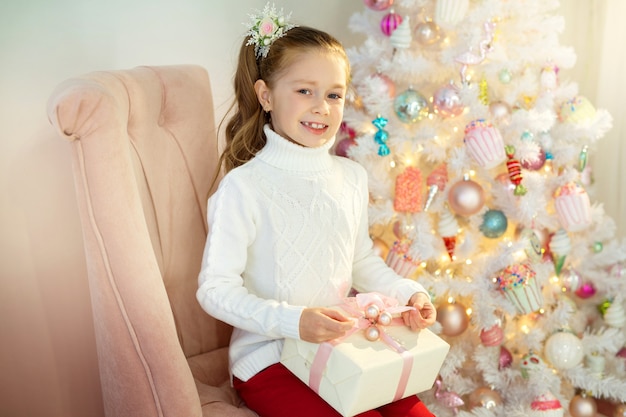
(334, 96)
(304, 91)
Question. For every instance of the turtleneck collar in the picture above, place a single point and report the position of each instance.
(284, 154)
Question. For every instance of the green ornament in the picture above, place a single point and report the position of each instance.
(582, 159)
(505, 76)
(604, 306)
(597, 247)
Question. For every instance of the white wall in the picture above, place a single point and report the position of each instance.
(47, 355)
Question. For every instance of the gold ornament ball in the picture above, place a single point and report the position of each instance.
(620, 411)
(583, 406)
(453, 318)
(484, 397)
(466, 197)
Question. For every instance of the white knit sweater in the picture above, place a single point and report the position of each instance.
(287, 230)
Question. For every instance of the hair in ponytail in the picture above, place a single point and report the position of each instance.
(244, 130)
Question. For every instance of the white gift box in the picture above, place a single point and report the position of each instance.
(361, 375)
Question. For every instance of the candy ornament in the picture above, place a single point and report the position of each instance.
(563, 349)
(408, 191)
(390, 22)
(532, 244)
(493, 336)
(436, 182)
(381, 136)
(401, 37)
(515, 171)
(560, 246)
(448, 229)
(446, 398)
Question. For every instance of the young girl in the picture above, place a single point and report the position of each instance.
(288, 230)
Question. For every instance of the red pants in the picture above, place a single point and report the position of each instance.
(276, 392)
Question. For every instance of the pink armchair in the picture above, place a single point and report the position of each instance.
(144, 151)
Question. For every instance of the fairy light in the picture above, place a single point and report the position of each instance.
(468, 311)
(455, 129)
(450, 300)
(423, 264)
(392, 164)
(468, 262)
(472, 173)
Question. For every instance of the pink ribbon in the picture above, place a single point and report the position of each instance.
(357, 307)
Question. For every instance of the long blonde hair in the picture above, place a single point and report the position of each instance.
(244, 130)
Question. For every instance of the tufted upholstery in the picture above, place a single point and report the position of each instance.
(144, 151)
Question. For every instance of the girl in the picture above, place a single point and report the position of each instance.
(288, 230)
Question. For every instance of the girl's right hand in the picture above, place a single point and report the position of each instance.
(320, 324)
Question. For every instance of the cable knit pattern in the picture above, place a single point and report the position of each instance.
(287, 230)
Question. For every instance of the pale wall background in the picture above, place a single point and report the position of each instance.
(47, 353)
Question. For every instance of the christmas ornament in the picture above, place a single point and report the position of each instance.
(466, 197)
(583, 405)
(492, 336)
(402, 259)
(560, 247)
(505, 76)
(527, 136)
(536, 163)
(532, 244)
(614, 315)
(483, 92)
(381, 135)
(506, 359)
(410, 106)
(597, 247)
(530, 363)
(549, 77)
(484, 143)
(484, 397)
(447, 102)
(448, 228)
(390, 22)
(436, 182)
(343, 147)
(427, 33)
(453, 318)
(620, 411)
(563, 349)
(401, 37)
(546, 405)
(518, 284)
(378, 5)
(570, 280)
(582, 159)
(471, 58)
(383, 85)
(408, 191)
(450, 11)
(572, 207)
(515, 170)
(621, 353)
(587, 290)
(500, 111)
(446, 398)
(494, 224)
(577, 110)
(380, 247)
(596, 363)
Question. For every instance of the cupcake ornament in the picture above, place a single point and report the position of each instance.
(401, 258)
(484, 143)
(577, 110)
(573, 207)
(518, 284)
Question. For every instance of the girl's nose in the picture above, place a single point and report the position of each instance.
(321, 107)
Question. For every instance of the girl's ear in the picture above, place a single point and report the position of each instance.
(263, 95)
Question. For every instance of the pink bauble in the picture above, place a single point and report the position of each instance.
(534, 165)
(587, 290)
(453, 318)
(493, 336)
(387, 87)
(466, 197)
(506, 359)
(390, 22)
(621, 353)
(378, 5)
(343, 147)
(447, 102)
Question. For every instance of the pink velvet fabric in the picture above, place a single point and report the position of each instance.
(144, 152)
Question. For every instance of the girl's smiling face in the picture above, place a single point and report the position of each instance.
(307, 98)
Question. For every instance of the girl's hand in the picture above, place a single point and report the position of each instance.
(319, 325)
(424, 314)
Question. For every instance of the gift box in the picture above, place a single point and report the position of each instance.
(355, 374)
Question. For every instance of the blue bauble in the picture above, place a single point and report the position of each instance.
(494, 224)
(411, 106)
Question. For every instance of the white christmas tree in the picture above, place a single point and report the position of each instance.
(476, 148)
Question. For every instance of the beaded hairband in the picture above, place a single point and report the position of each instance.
(265, 28)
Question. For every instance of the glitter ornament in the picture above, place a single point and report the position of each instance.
(506, 359)
(483, 92)
(563, 349)
(410, 106)
(453, 318)
(484, 397)
(447, 398)
(515, 171)
(535, 164)
(518, 284)
(378, 5)
(381, 135)
(494, 224)
(466, 197)
(390, 22)
(583, 406)
(427, 33)
(408, 191)
(447, 102)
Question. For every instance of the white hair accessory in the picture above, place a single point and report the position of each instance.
(266, 27)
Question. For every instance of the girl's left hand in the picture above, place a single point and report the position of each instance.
(424, 314)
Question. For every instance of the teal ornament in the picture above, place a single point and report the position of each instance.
(494, 224)
(582, 159)
(505, 76)
(411, 106)
(381, 136)
(527, 136)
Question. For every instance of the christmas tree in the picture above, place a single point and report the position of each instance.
(476, 147)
